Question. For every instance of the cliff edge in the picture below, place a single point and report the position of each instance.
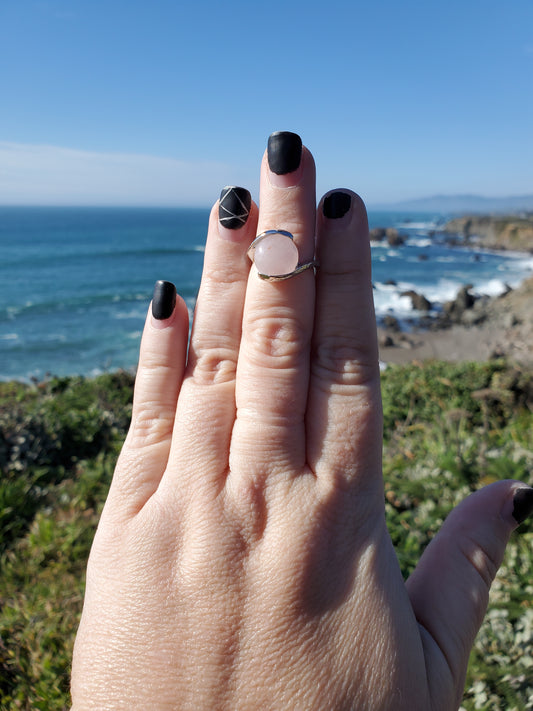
(494, 232)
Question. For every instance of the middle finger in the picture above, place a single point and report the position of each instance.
(273, 366)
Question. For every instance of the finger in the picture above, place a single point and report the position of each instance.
(206, 408)
(449, 589)
(344, 410)
(273, 364)
(159, 376)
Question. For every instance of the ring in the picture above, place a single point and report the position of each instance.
(276, 256)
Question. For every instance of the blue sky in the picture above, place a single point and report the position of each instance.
(165, 102)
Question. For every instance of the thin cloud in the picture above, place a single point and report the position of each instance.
(53, 175)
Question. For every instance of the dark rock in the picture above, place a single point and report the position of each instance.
(391, 323)
(473, 317)
(405, 342)
(497, 353)
(386, 341)
(464, 299)
(394, 238)
(462, 302)
(443, 321)
(419, 301)
(506, 291)
(510, 319)
(377, 234)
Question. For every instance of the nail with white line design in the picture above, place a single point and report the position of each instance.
(233, 208)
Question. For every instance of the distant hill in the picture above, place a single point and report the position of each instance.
(462, 204)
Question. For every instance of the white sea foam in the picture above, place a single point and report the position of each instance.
(422, 226)
(421, 242)
(517, 265)
(9, 337)
(388, 298)
(493, 287)
(444, 290)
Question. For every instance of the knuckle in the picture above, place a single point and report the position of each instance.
(279, 340)
(150, 426)
(343, 362)
(213, 366)
(482, 559)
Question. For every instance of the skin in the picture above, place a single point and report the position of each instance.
(242, 559)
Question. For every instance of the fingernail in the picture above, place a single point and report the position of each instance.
(164, 300)
(336, 205)
(522, 504)
(234, 207)
(284, 152)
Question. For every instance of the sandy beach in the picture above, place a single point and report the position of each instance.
(504, 329)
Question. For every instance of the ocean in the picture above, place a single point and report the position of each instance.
(75, 283)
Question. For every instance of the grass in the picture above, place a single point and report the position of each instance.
(449, 429)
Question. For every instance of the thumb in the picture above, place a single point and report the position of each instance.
(449, 589)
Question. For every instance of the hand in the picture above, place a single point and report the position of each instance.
(242, 560)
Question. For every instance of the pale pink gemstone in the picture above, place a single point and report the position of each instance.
(276, 255)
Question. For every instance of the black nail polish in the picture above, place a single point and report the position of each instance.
(164, 300)
(234, 207)
(523, 504)
(336, 205)
(284, 152)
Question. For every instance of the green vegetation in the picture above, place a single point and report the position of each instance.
(449, 429)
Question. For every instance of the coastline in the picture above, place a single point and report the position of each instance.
(64, 330)
(471, 328)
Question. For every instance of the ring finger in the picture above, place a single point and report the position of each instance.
(206, 407)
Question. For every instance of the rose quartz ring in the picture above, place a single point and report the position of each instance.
(276, 256)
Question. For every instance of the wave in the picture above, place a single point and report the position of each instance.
(492, 287)
(422, 242)
(517, 264)
(388, 298)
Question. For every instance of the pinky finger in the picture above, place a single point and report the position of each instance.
(159, 376)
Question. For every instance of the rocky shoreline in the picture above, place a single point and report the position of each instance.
(470, 327)
(513, 232)
(485, 328)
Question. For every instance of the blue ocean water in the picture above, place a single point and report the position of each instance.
(75, 283)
